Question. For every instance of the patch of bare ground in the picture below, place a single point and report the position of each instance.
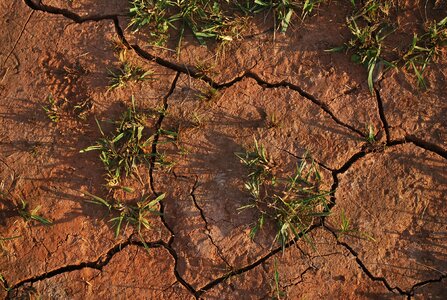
(394, 201)
(414, 112)
(323, 272)
(122, 275)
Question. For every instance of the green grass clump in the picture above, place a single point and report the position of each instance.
(53, 109)
(426, 48)
(371, 24)
(153, 14)
(56, 108)
(22, 209)
(129, 146)
(205, 19)
(222, 21)
(369, 27)
(137, 215)
(291, 202)
(282, 9)
(126, 73)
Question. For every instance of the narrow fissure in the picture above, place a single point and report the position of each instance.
(382, 115)
(97, 264)
(253, 265)
(421, 144)
(67, 13)
(297, 281)
(335, 181)
(426, 282)
(168, 246)
(343, 169)
(207, 229)
(305, 95)
(157, 131)
(365, 269)
(177, 275)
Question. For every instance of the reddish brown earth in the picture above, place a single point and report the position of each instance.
(200, 248)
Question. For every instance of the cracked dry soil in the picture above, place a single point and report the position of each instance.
(199, 247)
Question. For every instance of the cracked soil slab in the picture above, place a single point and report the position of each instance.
(396, 197)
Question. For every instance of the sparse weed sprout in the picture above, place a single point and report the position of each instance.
(369, 28)
(52, 109)
(126, 148)
(81, 109)
(57, 107)
(31, 215)
(371, 135)
(126, 73)
(346, 229)
(129, 146)
(208, 95)
(22, 209)
(308, 7)
(426, 48)
(272, 121)
(3, 282)
(137, 215)
(278, 292)
(292, 202)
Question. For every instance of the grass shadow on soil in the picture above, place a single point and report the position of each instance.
(428, 166)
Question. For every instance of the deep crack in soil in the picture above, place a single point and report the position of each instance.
(67, 13)
(98, 264)
(365, 269)
(207, 229)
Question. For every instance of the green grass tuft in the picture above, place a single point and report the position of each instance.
(126, 73)
(137, 215)
(426, 48)
(129, 146)
(223, 21)
(291, 202)
(369, 28)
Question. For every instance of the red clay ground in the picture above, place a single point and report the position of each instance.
(394, 190)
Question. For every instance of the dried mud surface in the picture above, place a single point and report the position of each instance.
(393, 191)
